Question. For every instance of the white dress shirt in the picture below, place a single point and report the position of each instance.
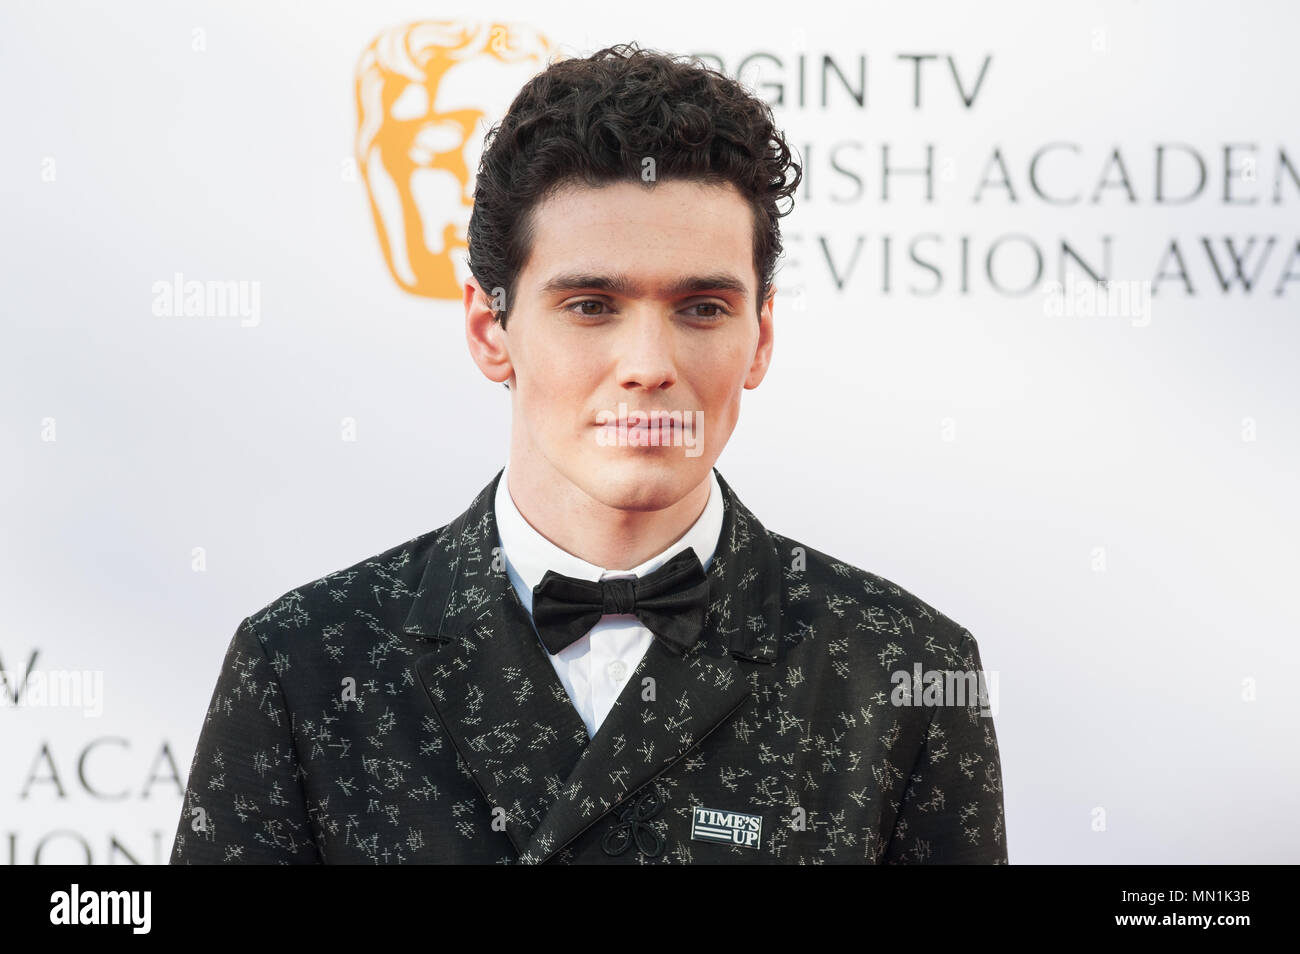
(595, 668)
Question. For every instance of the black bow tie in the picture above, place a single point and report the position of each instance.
(670, 602)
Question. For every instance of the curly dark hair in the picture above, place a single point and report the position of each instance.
(592, 120)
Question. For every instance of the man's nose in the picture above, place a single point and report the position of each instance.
(647, 348)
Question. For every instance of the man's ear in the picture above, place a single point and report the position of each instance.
(488, 344)
(763, 351)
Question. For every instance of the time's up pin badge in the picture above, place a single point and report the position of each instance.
(727, 828)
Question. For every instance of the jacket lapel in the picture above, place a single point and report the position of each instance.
(671, 703)
(509, 716)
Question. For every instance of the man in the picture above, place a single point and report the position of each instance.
(606, 658)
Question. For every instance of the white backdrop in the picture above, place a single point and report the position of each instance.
(1106, 501)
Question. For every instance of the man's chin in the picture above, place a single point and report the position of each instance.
(641, 480)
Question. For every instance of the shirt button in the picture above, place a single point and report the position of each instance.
(617, 670)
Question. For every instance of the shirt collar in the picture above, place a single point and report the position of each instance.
(529, 554)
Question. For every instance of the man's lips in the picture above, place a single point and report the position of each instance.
(661, 418)
(664, 427)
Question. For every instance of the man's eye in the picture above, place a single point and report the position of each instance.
(717, 315)
(587, 301)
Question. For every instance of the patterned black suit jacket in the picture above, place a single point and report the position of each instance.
(457, 742)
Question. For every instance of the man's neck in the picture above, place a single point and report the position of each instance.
(605, 536)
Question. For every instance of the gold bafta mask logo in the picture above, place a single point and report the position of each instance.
(427, 92)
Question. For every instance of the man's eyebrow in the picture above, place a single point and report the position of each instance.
(619, 284)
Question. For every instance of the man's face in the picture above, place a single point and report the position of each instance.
(624, 300)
